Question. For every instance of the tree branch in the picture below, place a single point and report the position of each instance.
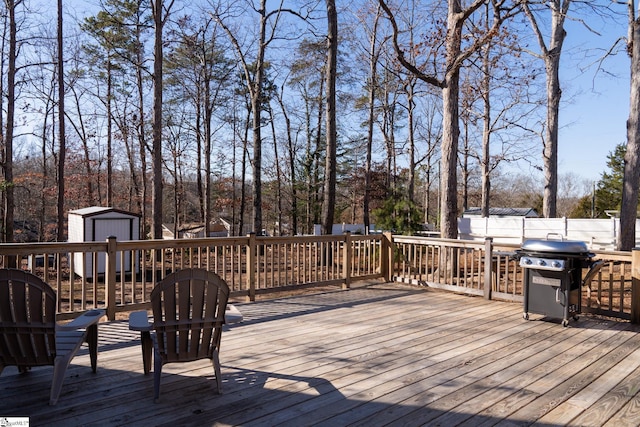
(432, 80)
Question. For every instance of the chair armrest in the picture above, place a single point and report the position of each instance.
(87, 319)
(232, 315)
(139, 321)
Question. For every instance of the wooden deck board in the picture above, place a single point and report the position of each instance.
(385, 354)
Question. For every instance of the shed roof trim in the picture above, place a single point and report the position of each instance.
(99, 210)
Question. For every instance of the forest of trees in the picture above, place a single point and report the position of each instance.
(280, 116)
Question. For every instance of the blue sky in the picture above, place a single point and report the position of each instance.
(596, 105)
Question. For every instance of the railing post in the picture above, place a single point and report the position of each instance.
(387, 256)
(348, 260)
(635, 285)
(252, 259)
(110, 277)
(488, 267)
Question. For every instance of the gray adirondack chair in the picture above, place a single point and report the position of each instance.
(29, 334)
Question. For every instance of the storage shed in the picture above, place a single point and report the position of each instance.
(96, 224)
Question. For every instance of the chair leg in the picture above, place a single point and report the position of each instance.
(92, 341)
(60, 365)
(157, 374)
(147, 346)
(216, 368)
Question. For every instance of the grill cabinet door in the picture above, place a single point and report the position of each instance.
(551, 293)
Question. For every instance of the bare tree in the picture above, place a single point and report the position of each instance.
(61, 126)
(291, 160)
(390, 88)
(374, 54)
(199, 74)
(160, 15)
(307, 79)
(499, 93)
(7, 159)
(254, 76)
(254, 82)
(457, 19)
(329, 202)
(629, 207)
(550, 54)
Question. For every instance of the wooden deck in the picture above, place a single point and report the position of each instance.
(384, 354)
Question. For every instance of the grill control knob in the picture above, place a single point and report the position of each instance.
(527, 261)
(556, 264)
(541, 263)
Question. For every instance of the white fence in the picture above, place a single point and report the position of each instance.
(599, 234)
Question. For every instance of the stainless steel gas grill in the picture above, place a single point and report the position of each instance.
(553, 277)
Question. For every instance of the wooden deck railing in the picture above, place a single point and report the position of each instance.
(482, 268)
(119, 275)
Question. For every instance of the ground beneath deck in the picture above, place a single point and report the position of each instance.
(371, 356)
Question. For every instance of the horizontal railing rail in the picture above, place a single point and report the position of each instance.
(119, 275)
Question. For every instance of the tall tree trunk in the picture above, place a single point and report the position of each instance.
(629, 207)
(388, 131)
(208, 116)
(329, 201)
(128, 139)
(551, 57)
(243, 175)
(234, 193)
(45, 174)
(157, 9)
(256, 109)
(451, 127)
(411, 105)
(109, 133)
(550, 153)
(199, 160)
(278, 183)
(82, 134)
(316, 157)
(292, 169)
(142, 142)
(9, 201)
(3, 135)
(465, 167)
(176, 196)
(233, 181)
(61, 127)
(308, 167)
(373, 83)
(486, 135)
(448, 178)
(455, 56)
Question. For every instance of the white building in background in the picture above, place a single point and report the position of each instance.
(96, 224)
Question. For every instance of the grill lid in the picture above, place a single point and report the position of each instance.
(555, 246)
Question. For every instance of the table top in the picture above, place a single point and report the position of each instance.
(139, 320)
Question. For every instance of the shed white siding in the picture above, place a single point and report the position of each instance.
(96, 224)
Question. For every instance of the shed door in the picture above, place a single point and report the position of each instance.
(105, 227)
(121, 229)
(100, 229)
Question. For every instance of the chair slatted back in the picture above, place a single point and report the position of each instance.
(188, 313)
(27, 320)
